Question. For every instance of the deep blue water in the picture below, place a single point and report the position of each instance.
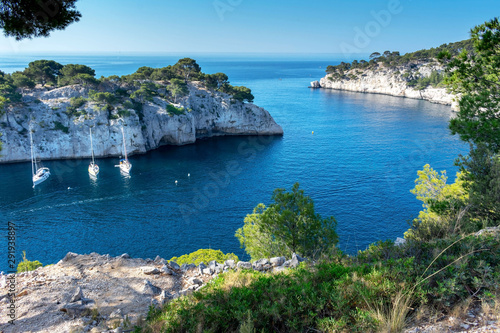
(359, 166)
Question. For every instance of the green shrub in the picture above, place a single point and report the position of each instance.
(121, 92)
(298, 301)
(102, 97)
(128, 104)
(171, 110)
(123, 113)
(26, 265)
(288, 225)
(375, 290)
(59, 126)
(204, 255)
(443, 204)
(77, 102)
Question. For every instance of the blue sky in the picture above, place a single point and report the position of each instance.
(258, 26)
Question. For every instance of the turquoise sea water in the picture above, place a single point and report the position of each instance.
(359, 166)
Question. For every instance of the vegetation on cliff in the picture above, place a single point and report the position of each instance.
(168, 82)
(406, 66)
(204, 255)
(116, 97)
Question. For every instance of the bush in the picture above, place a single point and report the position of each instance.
(128, 104)
(102, 97)
(204, 255)
(288, 225)
(443, 204)
(59, 126)
(328, 295)
(77, 102)
(26, 265)
(375, 290)
(172, 110)
(123, 113)
(121, 92)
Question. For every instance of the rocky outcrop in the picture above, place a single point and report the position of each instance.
(315, 84)
(392, 81)
(57, 134)
(100, 293)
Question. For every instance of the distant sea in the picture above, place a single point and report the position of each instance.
(359, 166)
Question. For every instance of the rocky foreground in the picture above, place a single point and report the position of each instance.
(59, 134)
(99, 293)
(390, 81)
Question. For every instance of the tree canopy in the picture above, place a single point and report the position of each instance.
(394, 58)
(73, 74)
(35, 18)
(288, 225)
(482, 181)
(476, 77)
(178, 88)
(188, 68)
(22, 81)
(216, 81)
(43, 71)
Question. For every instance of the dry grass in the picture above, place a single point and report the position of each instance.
(393, 318)
(152, 328)
(234, 279)
(491, 309)
(460, 310)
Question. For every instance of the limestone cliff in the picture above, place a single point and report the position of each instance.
(60, 134)
(394, 80)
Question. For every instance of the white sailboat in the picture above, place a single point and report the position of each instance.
(93, 168)
(39, 174)
(125, 165)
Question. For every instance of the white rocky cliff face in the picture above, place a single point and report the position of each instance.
(391, 81)
(57, 135)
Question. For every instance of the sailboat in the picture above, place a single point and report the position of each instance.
(125, 165)
(39, 174)
(93, 168)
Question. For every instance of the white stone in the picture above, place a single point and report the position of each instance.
(244, 265)
(277, 261)
(211, 114)
(150, 270)
(399, 241)
(387, 81)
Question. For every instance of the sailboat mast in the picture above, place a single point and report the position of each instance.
(31, 141)
(124, 146)
(91, 145)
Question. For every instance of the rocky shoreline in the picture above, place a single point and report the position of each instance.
(59, 134)
(391, 81)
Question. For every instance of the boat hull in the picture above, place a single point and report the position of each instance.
(125, 167)
(93, 170)
(41, 175)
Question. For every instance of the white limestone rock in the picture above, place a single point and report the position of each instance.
(390, 81)
(207, 114)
